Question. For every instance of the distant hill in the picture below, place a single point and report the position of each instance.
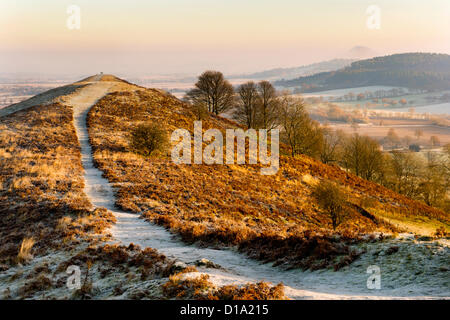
(294, 72)
(361, 52)
(428, 71)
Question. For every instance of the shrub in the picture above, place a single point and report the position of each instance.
(148, 139)
(332, 199)
(187, 288)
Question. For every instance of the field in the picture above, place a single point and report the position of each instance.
(403, 128)
(11, 93)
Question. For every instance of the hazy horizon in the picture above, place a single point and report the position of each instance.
(136, 38)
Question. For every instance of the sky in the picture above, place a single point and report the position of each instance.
(132, 37)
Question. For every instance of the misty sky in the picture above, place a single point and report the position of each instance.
(182, 36)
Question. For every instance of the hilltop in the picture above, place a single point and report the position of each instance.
(411, 70)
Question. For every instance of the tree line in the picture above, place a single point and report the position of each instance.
(260, 106)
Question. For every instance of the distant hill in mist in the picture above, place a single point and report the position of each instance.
(361, 52)
(430, 71)
(294, 72)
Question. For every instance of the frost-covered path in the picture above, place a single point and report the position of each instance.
(349, 283)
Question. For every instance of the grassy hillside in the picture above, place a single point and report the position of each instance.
(266, 216)
(48, 224)
(41, 183)
(411, 70)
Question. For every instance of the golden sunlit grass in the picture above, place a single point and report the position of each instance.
(43, 210)
(25, 250)
(201, 288)
(420, 225)
(266, 216)
(41, 184)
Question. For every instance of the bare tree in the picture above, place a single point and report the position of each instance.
(436, 180)
(332, 144)
(434, 140)
(247, 105)
(303, 135)
(212, 91)
(406, 167)
(363, 156)
(267, 104)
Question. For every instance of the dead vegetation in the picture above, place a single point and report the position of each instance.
(305, 250)
(42, 204)
(43, 211)
(201, 288)
(271, 218)
(25, 250)
(233, 204)
(119, 259)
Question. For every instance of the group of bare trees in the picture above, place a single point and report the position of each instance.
(424, 177)
(420, 176)
(259, 105)
(363, 156)
(255, 104)
(212, 92)
(303, 135)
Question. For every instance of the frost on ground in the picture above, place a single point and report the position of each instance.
(415, 270)
(106, 272)
(409, 268)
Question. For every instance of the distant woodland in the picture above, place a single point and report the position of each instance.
(426, 71)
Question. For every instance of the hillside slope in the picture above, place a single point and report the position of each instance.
(47, 222)
(46, 198)
(230, 204)
(410, 70)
